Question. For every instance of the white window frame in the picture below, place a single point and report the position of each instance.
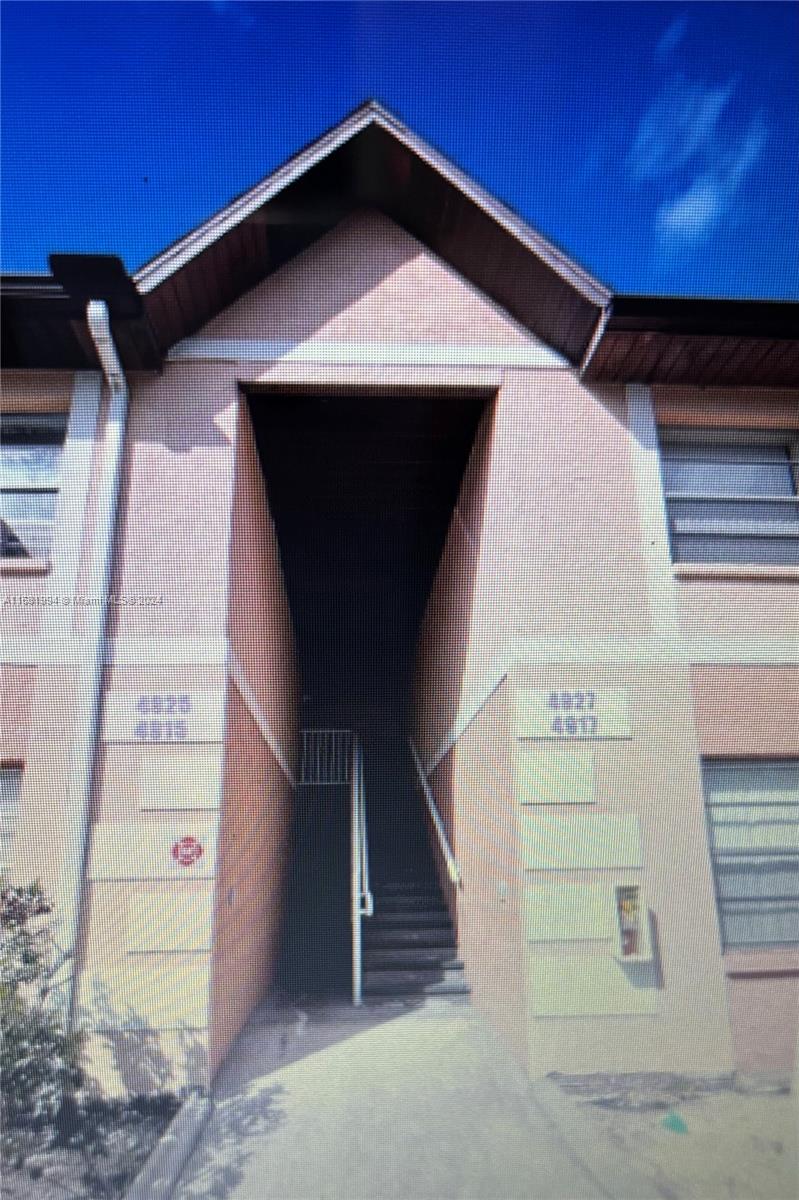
(49, 422)
(741, 530)
(760, 856)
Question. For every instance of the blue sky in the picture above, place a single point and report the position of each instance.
(656, 143)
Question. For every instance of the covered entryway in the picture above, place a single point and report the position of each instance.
(361, 489)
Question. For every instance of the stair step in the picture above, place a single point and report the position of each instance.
(441, 957)
(425, 903)
(415, 887)
(426, 982)
(385, 938)
(412, 918)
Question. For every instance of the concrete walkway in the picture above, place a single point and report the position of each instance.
(391, 1102)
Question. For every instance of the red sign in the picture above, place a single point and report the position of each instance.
(187, 851)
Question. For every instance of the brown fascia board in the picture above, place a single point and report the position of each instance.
(91, 276)
(15, 287)
(98, 277)
(369, 115)
(699, 317)
(192, 244)
(31, 303)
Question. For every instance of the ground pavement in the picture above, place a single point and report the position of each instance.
(390, 1102)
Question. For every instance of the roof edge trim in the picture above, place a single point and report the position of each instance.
(154, 272)
(158, 269)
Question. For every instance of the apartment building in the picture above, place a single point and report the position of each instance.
(389, 608)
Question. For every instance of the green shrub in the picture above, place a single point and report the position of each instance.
(39, 1058)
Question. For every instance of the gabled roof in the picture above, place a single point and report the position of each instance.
(372, 160)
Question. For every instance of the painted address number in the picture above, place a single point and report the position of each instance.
(161, 725)
(159, 717)
(572, 713)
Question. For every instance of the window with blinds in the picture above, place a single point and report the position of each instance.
(10, 785)
(732, 498)
(30, 461)
(753, 824)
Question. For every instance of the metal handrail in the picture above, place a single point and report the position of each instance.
(325, 757)
(453, 870)
(361, 899)
(368, 898)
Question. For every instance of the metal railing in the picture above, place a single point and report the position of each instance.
(325, 757)
(362, 901)
(453, 870)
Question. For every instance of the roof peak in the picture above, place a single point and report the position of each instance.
(370, 113)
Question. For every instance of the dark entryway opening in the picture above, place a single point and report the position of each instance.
(361, 489)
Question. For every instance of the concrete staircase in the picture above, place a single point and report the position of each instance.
(409, 946)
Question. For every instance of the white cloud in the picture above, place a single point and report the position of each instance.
(693, 213)
(691, 142)
(711, 194)
(672, 37)
(680, 123)
(746, 152)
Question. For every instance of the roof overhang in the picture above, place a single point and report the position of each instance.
(372, 160)
(709, 342)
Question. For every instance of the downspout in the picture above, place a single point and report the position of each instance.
(596, 337)
(89, 669)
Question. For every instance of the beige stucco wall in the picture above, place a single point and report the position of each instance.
(751, 712)
(176, 504)
(546, 545)
(558, 551)
(194, 531)
(746, 712)
(545, 540)
(763, 990)
(257, 793)
(475, 788)
(726, 408)
(17, 685)
(41, 692)
(367, 279)
(259, 623)
(249, 884)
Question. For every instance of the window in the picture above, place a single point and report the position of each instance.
(30, 454)
(732, 499)
(753, 821)
(10, 783)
